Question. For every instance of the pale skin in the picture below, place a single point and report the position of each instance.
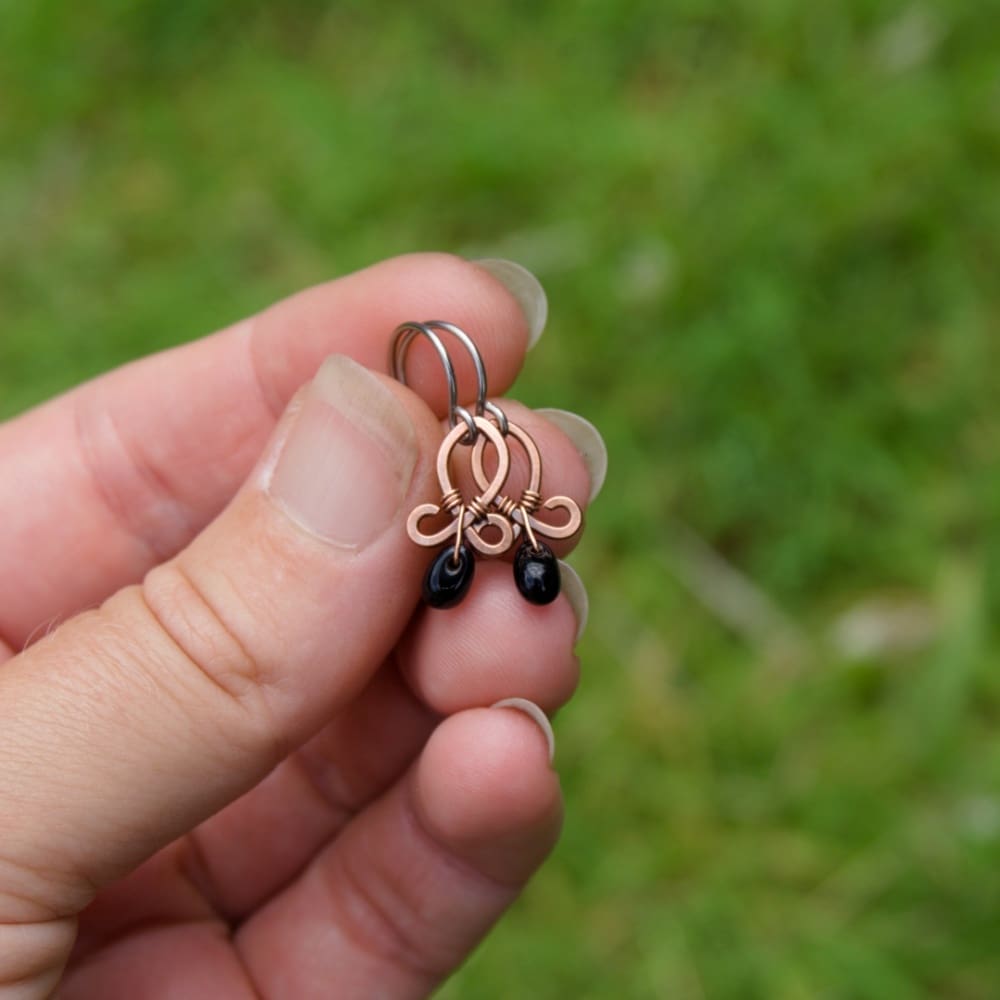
(237, 760)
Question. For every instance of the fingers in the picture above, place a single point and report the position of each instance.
(408, 889)
(484, 843)
(246, 853)
(132, 723)
(360, 312)
(512, 649)
(492, 646)
(102, 483)
(189, 959)
(252, 848)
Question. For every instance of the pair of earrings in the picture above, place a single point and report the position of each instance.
(491, 522)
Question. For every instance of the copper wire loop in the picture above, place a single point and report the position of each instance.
(521, 512)
(468, 519)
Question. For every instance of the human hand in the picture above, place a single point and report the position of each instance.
(258, 768)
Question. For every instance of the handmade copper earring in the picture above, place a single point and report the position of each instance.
(536, 569)
(450, 574)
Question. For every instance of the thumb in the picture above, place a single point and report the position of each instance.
(133, 722)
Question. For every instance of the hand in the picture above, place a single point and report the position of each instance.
(255, 767)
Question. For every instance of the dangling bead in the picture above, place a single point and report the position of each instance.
(448, 580)
(536, 573)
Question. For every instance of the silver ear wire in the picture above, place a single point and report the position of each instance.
(403, 336)
(483, 405)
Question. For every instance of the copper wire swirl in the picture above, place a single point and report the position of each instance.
(469, 518)
(521, 512)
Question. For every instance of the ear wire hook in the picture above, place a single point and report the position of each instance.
(483, 405)
(403, 337)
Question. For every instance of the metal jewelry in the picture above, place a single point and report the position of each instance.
(490, 522)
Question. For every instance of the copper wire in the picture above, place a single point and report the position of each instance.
(458, 535)
(529, 531)
(505, 505)
(478, 508)
(531, 500)
(451, 501)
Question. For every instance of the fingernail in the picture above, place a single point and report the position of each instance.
(526, 288)
(588, 442)
(576, 594)
(534, 713)
(346, 464)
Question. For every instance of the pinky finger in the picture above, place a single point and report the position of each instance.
(401, 898)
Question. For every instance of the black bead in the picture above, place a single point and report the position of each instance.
(536, 573)
(448, 581)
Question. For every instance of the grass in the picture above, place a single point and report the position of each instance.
(770, 233)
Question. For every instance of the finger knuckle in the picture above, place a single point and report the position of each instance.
(208, 634)
(380, 919)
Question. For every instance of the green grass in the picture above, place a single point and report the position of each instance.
(770, 233)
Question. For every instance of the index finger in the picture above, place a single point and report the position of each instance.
(104, 482)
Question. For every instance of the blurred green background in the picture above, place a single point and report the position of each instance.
(770, 234)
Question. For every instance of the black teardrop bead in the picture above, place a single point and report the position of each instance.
(536, 573)
(448, 581)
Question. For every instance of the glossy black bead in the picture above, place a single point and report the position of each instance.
(448, 581)
(536, 573)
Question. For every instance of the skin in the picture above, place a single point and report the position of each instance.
(295, 791)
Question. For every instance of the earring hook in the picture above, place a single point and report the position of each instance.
(403, 336)
(483, 405)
